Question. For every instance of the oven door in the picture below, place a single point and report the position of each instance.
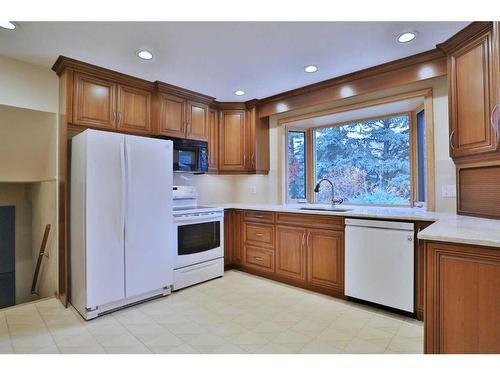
(198, 239)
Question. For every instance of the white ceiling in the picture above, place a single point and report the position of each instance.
(400, 106)
(216, 58)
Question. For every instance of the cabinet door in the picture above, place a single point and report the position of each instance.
(134, 110)
(470, 79)
(291, 252)
(237, 256)
(197, 121)
(228, 237)
(232, 141)
(94, 102)
(462, 299)
(172, 122)
(213, 142)
(325, 258)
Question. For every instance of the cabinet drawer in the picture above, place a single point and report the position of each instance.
(260, 258)
(311, 220)
(261, 216)
(260, 234)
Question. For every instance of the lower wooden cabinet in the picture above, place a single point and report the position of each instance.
(260, 258)
(325, 259)
(291, 252)
(228, 237)
(419, 271)
(462, 301)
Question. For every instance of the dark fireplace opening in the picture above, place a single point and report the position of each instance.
(7, 256)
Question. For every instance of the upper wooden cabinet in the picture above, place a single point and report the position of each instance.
(134, 110)
(473, 91)
(232, 137)
(171, 115)
(106, 104)
(243, 141)
(94, 102)
(197, 121)
(177, 116)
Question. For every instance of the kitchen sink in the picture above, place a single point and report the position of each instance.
(333, 209)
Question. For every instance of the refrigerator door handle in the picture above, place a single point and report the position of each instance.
(123, 181)
(129, 173)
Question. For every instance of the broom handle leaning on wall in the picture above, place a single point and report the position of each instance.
(40, 257)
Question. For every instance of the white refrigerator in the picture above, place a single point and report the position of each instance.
(121, 249)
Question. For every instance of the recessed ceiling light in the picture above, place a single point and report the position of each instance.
(407, 37)
(145, 55)
(310, 69)
(239, 92)
(7, 25)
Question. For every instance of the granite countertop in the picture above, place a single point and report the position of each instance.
(446, 227)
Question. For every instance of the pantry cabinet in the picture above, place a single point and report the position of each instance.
(462, 300)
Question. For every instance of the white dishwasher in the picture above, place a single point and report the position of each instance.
(379, 258)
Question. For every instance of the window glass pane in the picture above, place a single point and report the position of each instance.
(421, 157)
(368, 162)
(296, 165)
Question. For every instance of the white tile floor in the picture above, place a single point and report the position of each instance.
(238, 313)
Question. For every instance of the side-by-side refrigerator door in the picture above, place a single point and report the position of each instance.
(148, 223)
(105, 199)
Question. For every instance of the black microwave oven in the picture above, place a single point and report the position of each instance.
(190, 155)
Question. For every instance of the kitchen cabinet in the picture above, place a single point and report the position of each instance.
(181, 118)
(325, 259)
(473, 92)
(197, 121)
(232, 138)
(462, 297)
(104, 104)
(94, 102)
(291, 252)
(134, 110)
(171, 115)
(213, 140)
(243, 141)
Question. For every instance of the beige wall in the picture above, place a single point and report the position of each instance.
(269, 189)
(18, 195)
(27, 144)
(26, 85)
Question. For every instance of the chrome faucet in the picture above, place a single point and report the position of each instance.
(334, 201)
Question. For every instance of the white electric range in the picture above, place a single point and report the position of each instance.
(198, 238)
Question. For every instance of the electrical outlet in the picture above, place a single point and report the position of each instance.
(253, 189)
(449, 191)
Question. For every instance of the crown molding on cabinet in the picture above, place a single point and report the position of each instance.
(464, 36)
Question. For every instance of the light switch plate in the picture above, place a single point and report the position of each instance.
(449, 191)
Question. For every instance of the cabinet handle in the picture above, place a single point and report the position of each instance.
(258, 258)
(494, 122)
(259, 234)
(259, 216)
(119, 118)
(308, 238)
(451, 139)
(114, 117)
(303, 240)
(244, 160)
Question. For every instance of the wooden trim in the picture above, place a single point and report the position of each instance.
(408, 70)
(63, 63)
(464, 36)
(430, 196)
(413, 158)
(306, 166)
(176, 90)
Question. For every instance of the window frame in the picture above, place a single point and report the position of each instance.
(306, 165)
(310, 150)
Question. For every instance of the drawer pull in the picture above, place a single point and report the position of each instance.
(258, 258)
(259, 234)
(259, 216)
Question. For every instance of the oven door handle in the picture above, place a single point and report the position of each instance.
(198, 219)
